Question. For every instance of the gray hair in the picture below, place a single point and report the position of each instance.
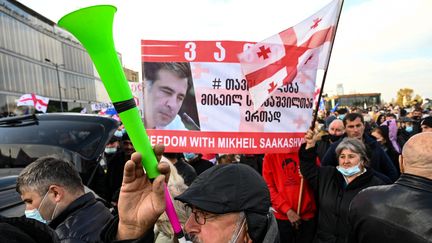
(355, 145)
(240, 221)
(46, 171)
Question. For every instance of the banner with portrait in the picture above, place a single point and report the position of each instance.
(211, 110)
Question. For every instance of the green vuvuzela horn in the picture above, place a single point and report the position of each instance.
(92, 26)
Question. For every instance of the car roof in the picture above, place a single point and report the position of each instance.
(84, 134)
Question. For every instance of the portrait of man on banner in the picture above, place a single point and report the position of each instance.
(169, 99)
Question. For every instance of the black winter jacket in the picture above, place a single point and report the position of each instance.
(333, 195)
(397, 213)
(379, 160)
(82, 221)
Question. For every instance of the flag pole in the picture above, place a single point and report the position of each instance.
(327, 66)
(319, 98)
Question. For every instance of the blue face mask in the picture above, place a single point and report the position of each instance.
(341, 117)
(409, 129)
(118, 133)
(349, 171)
(34, 214)
(189, 156)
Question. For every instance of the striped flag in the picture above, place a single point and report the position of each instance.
(279, 59)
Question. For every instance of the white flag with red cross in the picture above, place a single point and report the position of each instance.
(40, 103)
(279, 60)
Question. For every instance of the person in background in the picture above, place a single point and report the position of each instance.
(405, 130)
(282, 176)
(53, 193)
(426, 124)
(380, 119)
(379, 161)
(115, 167)
(197, 162)
(336, 186)
(228, 158)
(335, 131)
(127, 146)
(381, 134)
(416, 116)
(400, 212)
(253, 160)
(391, 123)
(184, 169)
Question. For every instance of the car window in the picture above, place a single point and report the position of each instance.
(19, 155)
(80, 137)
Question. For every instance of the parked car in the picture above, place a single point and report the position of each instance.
(77, 138)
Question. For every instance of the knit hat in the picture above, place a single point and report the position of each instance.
(232, 188)
(427, 121)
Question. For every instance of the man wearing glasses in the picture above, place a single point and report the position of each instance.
(229, 203)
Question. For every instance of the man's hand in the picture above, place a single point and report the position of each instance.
(140, 202)
(294, 218)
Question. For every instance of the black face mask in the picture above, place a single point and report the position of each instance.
(416, 117)
(334, 138)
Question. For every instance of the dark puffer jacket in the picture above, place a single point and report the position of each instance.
(82, 221)
(333, 195)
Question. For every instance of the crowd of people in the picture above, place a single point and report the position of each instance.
(359, 176)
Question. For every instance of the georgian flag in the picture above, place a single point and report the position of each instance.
(40, 103)
(278, 60)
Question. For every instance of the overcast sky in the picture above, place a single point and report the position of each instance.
(381, 45)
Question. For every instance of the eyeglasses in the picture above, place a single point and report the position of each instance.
(199, 215)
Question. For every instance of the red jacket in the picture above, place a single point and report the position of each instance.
(281, 173)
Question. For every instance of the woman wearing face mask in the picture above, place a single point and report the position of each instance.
(335, 187)
(381, 134)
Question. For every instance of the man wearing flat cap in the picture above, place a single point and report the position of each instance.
(230, 203)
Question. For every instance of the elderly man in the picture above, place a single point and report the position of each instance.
(336, 130)
(400, 212)
(379, 161)
(230, 203)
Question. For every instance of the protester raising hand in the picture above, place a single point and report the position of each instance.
(311, 137)
(141, 202)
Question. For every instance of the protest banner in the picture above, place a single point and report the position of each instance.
(225, 120)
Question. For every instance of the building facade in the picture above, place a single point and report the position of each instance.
(354, 100)
(36, 56)
(131, 75)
